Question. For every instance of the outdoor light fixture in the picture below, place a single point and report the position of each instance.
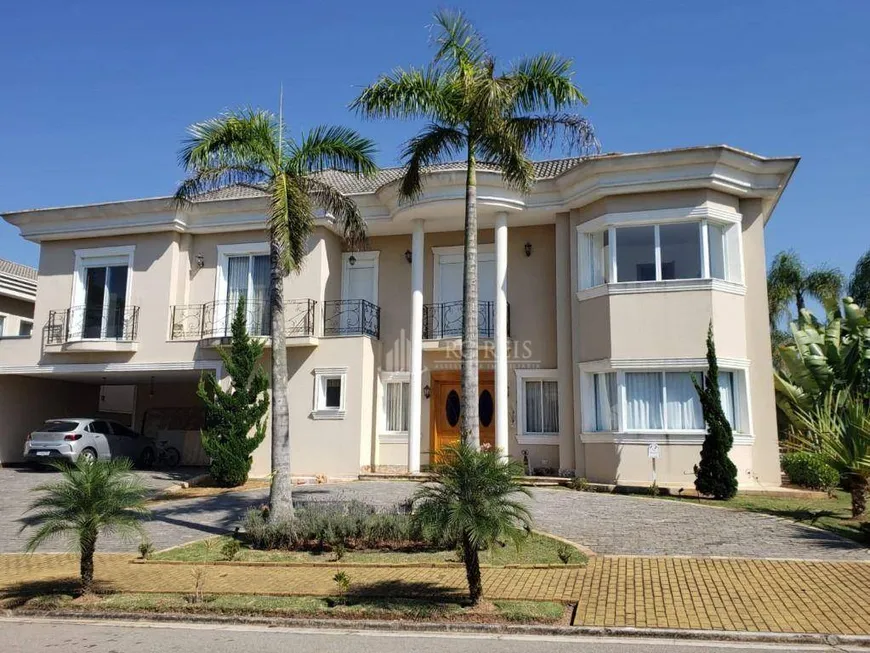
(352, 260)
(200, 260)
(151, 389)
(528, 249)
(408, 256)
(427, 391)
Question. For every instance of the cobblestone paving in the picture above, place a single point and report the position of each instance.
(116, 572)
(608, 524)
(744, 595)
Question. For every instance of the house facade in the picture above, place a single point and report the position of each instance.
(17, 297)
(596, 290)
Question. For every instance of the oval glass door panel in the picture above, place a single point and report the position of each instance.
(486, 408)
(453, 408)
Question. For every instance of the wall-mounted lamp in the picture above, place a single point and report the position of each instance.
(408, 256)
(200, 260)
(151, 389)
(427, 391)
(352, 260)
(528, 249)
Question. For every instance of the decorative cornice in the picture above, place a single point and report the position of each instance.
(662, 363)
(110, 368)
(668, 285)
(664, 439)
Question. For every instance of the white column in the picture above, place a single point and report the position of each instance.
(416, 386)
(501, 308)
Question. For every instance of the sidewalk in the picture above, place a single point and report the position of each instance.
(687, 593)
(726, 594)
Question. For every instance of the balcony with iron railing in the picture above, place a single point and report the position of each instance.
(92, 328)
(212, 322)
(444, 321)
(351, 317)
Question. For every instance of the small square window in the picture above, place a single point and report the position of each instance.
(329, 391)
(25, 328)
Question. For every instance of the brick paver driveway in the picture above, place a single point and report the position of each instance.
(608, 524)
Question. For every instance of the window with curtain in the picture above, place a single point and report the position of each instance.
(396, 406)
(683, 404)
(248, 277)
(606, 402)
(716, 245)
(643, 398)
(595, 259)
(542, 407)
(727, 395)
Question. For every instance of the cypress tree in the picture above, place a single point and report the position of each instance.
(716, 474)
(231, 415)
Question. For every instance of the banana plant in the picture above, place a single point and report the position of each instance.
(822, 358)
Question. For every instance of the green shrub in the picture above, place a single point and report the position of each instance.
(581, 484)
(809, 470)
(145, 549)
(230, 549)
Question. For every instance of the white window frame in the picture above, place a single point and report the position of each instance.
(321, 376)
(97, 257)
(21, 323)
(742, 400)
(361, 259)
(442, 255)
(703, 216)
(225, 252)
(524, 375)
(386, 378)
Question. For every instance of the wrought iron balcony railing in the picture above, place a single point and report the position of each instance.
(445, 320)
(215, 319)
(92, 323)
(351, 317)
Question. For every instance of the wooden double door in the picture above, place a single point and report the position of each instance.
(445, 409)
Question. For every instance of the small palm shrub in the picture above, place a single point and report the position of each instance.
(809, 470)
(146, 549)
(90, 498)
(230, 549)
(472, 501)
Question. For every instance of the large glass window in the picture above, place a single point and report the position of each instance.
(643, 399)
(542, 407)
(683, 412)
(716, 244)
(606, 402)
(680, 247)
(248, 277)
(636, 254)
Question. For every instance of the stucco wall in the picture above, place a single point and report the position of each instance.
(14, 310)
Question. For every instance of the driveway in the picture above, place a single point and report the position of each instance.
(608, 524)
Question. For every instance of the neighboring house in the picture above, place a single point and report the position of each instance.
(596, 290)
(17, 295)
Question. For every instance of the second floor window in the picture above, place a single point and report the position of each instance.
(661, 252)
(248, 277)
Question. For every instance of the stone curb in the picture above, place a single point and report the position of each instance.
(348, 565)
(457, 627)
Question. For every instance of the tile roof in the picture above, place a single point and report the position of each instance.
(353, 185)
(17, 270)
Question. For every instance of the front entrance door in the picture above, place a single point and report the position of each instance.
(445, 409)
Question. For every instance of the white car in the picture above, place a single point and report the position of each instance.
(88, 438)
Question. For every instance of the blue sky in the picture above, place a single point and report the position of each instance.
(95, 96)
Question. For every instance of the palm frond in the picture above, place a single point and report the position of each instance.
(291, 219)
(342, 208)
(859, 282)
(458, 42)
(575, 133)
(247, 138)
(436, 143)
(408, 94)
(211, 179)
(826, 285)
(502, 148)
(332, 147)
(544, 83)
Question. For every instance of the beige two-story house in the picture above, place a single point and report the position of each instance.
(596, 290)
(17, 297)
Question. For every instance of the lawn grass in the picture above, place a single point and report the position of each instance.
(536, 549)
(831, 514)
(306, 606)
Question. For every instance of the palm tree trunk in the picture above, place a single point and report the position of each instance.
(471, 557)
(281, 493)
(799, 300)
(859, 486)
(87, 546)
(470, 424)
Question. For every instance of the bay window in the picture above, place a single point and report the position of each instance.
(698, 249)
(658, 400)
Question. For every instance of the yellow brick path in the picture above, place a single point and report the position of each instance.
(697, 593)
(726, 594)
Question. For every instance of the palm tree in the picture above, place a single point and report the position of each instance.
(477, 115)
(859, 283)
(470, 502)
(789, 279)
(91, 498)
(249, 146)
(838, 428)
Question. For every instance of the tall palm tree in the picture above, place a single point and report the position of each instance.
(472, 502)
(249, 146)
(789, 279)
(90, 498)
(478, 115)
(859, 283)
